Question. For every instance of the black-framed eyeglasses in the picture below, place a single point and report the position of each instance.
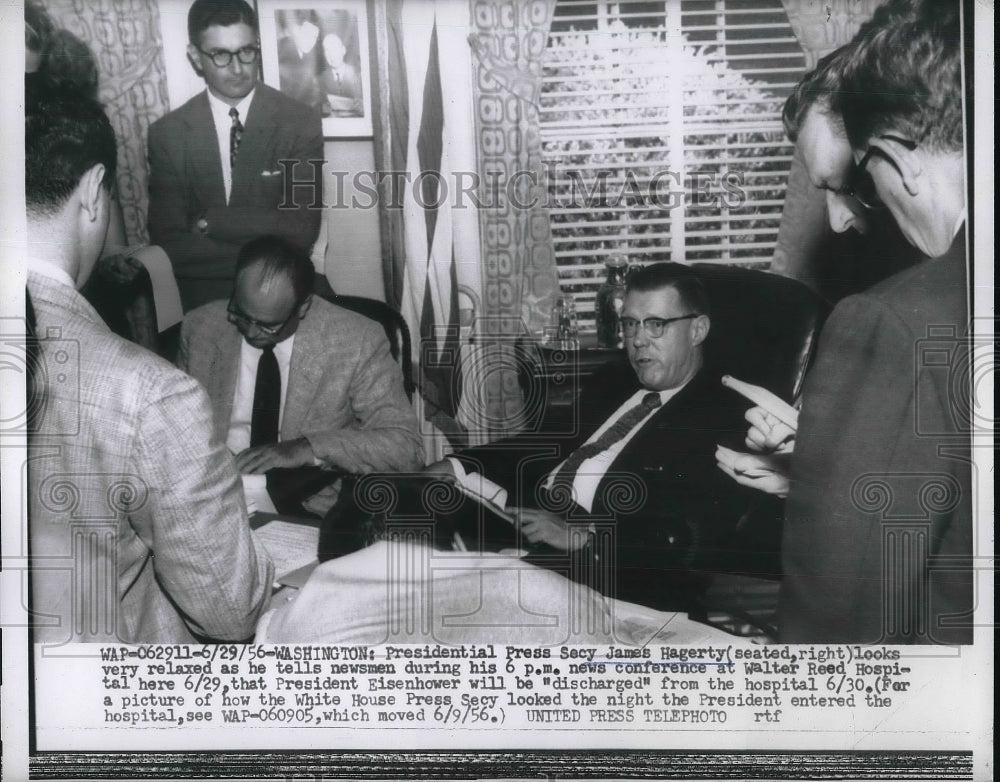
(222, 57)
(238, 317)
(652, 326)
(862, 186)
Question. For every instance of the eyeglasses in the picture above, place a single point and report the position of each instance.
(237, 317)
(652, 326)
(222, 57)
(862, 186)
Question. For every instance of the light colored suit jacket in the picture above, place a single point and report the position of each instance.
(345, 392)
(138, 528)
(185, 184)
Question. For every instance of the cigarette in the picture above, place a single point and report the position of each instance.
(761, 397)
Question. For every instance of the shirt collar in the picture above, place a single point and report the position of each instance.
(221, 109)
(50, 270)
(282, 350)
(959, 222)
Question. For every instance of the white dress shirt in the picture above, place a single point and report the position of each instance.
(592, 470)
(223, 126)
(246, 381)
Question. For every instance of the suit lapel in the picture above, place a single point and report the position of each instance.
(304, 373)
(206, 165)
(222, 378)
(258, 130)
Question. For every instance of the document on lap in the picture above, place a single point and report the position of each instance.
(255, 493)
(291, 546)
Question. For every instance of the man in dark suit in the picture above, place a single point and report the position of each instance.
(878, 528)
(339, 403)
(635, 495)
(222, 166)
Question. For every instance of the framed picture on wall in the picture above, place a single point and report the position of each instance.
(316, 51)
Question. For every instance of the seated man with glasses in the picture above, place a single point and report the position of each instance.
(639, 473)
(302, 391)
(222, 165)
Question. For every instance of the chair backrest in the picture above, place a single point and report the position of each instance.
(764, 327)
(392, 323)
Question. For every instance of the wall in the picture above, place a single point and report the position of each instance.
(349, 239)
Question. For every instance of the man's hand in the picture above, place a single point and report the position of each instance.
(120, 268)
(765, 472)
(767, 434)
(541, 526)
(292, 453)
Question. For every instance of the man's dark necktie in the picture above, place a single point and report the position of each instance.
(287, 486)
(266, 400)
(562, 484)
(235, 134)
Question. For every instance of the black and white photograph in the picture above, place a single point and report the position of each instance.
(433, 389)
(320, 56)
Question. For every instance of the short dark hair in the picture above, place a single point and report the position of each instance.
(907, 78)
(681, 278)
(279, 257)
(815, 91)
(65, 135)
(820, 87)
(208, 13)
(38, 27)
(69, 66)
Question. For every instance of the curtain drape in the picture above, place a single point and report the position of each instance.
(468, 261)
(433, 260)
(821, 26)
(124, 36)
(520, 278)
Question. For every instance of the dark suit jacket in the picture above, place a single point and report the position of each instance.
(881, 463)
(674, 511)
(186, 185)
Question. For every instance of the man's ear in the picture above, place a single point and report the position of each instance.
(304, 307)
(92, 192)
(908, 163)
(700, 327)
(194, 59)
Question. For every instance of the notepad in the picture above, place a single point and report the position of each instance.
(292, 548)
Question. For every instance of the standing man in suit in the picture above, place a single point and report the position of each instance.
(342, 407)
(138, 530)
(878, 532)
(643, 461)
(223, 166)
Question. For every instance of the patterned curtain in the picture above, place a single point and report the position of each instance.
(821, 26)
(520, 280)
(124, 36)
(824, 25)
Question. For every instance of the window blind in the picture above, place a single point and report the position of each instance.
(661, 133)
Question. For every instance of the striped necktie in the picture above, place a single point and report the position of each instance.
(563, 481)
(235, 134)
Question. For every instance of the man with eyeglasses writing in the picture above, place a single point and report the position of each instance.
(221, 164)
(302, 391)
(642, 460)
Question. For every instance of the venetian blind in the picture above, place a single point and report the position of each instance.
(661, 132)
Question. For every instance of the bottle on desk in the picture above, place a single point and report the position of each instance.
(564, 331)
(609, 302)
